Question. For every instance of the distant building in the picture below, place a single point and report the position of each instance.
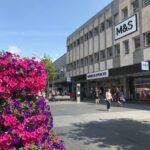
(61, 83)
(112, 49)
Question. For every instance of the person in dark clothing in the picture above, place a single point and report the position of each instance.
(116, 96)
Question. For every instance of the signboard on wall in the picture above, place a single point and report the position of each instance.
(97, 75)
(144, 65)
(127, 27)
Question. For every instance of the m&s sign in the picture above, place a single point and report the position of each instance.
(127, 27)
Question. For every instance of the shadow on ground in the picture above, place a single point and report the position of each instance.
(122, 134)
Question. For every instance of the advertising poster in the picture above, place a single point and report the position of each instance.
(142, 89)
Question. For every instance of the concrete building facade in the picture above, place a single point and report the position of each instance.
(112, 49)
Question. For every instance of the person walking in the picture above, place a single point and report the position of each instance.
(117, 96)
(96, 96)
(108, 99)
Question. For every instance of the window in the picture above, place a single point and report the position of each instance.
(68, 48)
(86, 61)
(81, 39)
(102, 55)
(78, 42)
(109, 22)
(147, 39)
(86, 37)
(126, 47)
(117, 49)
(78, 64)
(116, 18)
(96, 57)
(109, 52)
(125, 13)
(74, 44)
(81, 63)
(146, 2)
(137, 43)
(135, 6)
(91, 34)
(90, 59)
(74, 65)
(102, 27)
(95, 31)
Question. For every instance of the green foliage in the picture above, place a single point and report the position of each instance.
(51, 72)
(34, 147)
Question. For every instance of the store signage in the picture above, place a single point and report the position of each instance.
(96, 75)
(127, 27)
(144, 65)
(68, 79)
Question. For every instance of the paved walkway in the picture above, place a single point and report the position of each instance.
(87, 126)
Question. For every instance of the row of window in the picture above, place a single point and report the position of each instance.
(108, 53)
(106, 24)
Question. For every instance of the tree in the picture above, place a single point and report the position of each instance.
(51, 71)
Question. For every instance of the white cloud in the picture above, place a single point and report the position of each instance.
(14, 49)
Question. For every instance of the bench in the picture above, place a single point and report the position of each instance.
(62, 98)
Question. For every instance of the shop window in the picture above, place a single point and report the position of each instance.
(96, 57)
(137, 43)
(125, 13)
(147, 39)
(109, 53)
(91, 34)
(142, 89)
(117, 49)
(109, 23)
(146, 2)
(126, 47)
(102, 27)
(116, 19)
(90, 59)
(86, 61)
(135, 6)
(102, 55)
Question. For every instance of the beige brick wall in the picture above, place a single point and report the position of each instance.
(109, 37)
(90, 46)
(146, 19)
(147, 54)
(86, 69)
(91, 68)
(96, 44)
(96, 67)
(109, 63)
(102, 41)
(102, 66)
(86, 49)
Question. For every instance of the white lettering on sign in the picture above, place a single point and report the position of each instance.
(127, 27)
(96, 75)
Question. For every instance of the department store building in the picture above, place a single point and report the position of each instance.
(112, 49)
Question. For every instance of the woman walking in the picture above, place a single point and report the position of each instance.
(108, 99)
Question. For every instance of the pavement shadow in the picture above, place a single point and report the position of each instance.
(124, 134)
(129, 105)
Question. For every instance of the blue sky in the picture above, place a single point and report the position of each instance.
(38, 27)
